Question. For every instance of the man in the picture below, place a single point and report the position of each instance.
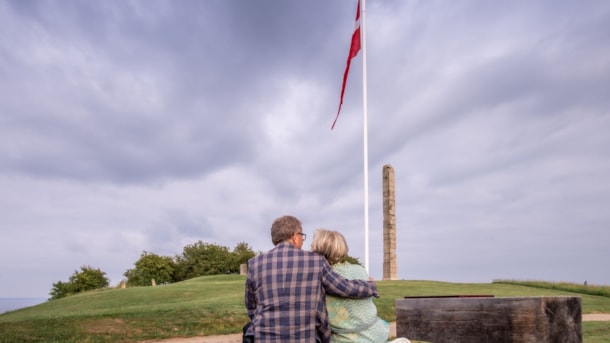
(286, 289)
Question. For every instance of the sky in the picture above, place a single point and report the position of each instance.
(149, 125)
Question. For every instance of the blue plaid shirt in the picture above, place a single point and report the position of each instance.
(286, 295)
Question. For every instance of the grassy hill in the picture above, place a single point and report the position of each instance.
(214, 305)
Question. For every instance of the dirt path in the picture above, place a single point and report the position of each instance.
(236, 338)
(596, 317)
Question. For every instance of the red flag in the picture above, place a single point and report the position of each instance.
(353, 51)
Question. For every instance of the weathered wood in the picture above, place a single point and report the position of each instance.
(490, 320)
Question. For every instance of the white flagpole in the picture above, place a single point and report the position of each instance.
(365, 137)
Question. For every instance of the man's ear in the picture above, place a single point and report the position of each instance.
(293, 239)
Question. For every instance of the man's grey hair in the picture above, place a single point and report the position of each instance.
(283, 228)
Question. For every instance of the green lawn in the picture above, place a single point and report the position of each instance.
(214, 305)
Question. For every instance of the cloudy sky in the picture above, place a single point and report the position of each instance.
(147, 125)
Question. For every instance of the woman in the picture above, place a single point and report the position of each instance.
(351, 320)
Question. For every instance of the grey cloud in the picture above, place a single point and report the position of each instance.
(156, 125)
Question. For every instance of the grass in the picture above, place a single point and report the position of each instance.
(603, 291)
(200, 306)
(214, 305)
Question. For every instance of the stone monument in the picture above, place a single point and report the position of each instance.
(389, 224)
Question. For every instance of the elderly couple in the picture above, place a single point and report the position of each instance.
(286, 291)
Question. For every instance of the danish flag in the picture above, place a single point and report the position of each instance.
(353, 51)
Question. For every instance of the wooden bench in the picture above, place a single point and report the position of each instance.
(489, 319)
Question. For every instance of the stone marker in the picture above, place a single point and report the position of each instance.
(389, 224)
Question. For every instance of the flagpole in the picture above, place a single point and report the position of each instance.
(365, 135)
(359, 43)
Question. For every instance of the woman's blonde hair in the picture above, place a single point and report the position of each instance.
(329, 243)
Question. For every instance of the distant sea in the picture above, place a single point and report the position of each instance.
(10, 304)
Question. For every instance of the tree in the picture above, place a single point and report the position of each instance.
(241, 254)
(202, 259)
(352, 260)
(87, 279)
(151, 266)
(60, 289)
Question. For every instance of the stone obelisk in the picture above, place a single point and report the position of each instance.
(389, 224)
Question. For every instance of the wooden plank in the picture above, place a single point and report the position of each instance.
(490, 319)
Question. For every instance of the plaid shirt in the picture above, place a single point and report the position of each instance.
(286, 295)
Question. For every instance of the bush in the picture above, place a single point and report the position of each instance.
(87, 279)
(151, 266)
